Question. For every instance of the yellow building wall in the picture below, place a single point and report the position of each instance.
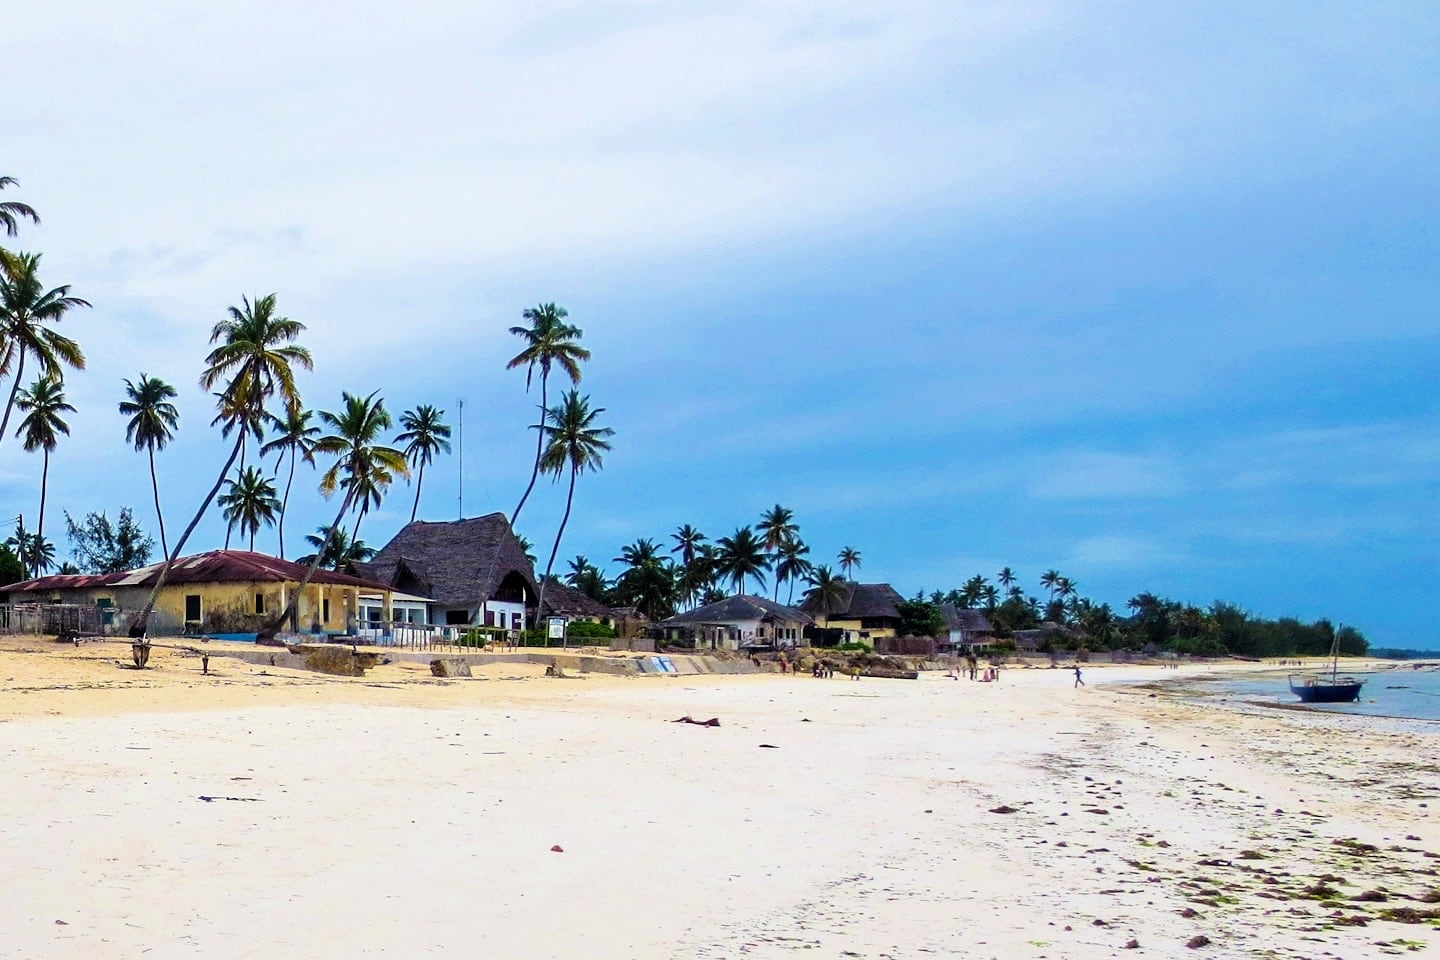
(853, 627)
(236, 599)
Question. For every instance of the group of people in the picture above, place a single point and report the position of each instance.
(971, 670)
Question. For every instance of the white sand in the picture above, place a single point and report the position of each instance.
(384, 826)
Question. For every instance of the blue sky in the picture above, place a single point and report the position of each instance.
(1142, 292)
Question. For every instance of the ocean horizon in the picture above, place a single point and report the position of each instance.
(1408, 691)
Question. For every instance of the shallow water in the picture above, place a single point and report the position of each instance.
(1402, 692)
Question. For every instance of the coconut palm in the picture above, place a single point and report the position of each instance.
(573, 441)
(1007, 578)
(826, 592)
(293, 434)
(43, 405)
(849, 561)
(549, 341)
(425, 435)
(13, 211)
(1050, 579)
(739, 556)
(363, 470)
(153, 420)
(255, 356)
(26, 308)
(35, 553)
(249, 503)
(526, 547)
(791, 566)
(336, 550)
(687, 541)
(776, 526)
(650, 581)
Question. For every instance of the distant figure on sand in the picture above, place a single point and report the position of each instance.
(1078, 681)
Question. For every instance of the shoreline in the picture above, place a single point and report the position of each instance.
(1018, 819)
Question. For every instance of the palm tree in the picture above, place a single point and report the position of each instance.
(25, 309)
(849, 561)
(574, 441)
(687, 541)
(791, 566)
(336, 550)
(43, 405)
(153, 420)
(363, 470)
(826, 590)
(777, 527)
(549, 340)
(1050, 579)
(425, 435)
(255, 350)
(13, 211)
(526, 547)
(35, 553)
(293, 434)
(250, 503)
(742, 555)
(1006, 576)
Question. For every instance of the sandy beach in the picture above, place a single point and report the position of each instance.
(271, 813)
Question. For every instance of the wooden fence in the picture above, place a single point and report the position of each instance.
(50, 619)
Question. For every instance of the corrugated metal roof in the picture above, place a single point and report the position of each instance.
(214, 566)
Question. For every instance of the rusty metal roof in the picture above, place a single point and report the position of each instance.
(215, 566)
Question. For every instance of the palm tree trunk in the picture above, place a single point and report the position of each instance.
(569, 499)
(419, 482)
(138, 627)
(266, 633)
(159, 517)
(539, 449)
(285, 503)
(40, 524)
(15, 390)
(355, 534)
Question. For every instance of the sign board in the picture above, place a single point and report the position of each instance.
(557, 628)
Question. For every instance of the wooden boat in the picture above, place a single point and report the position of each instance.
(1322, 689)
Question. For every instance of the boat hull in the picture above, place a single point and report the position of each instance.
(1314, 691)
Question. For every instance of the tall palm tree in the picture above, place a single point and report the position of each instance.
(826, 590)
(1050, 580)
(250, 503)
(295, 435)
(574, 441)
(425, 435)
(791, 566)
(336, 550)
(687, 541)
(13, 211)
(549, 341)
(255, 349)
(25, 309)
(777, 527)
(43, 405)
(1007, 578)
(152, 425)
(849, 561)
(35, 553)
(740, 556)
(363, 470)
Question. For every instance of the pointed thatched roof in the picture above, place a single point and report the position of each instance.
(563, 601)
(961, 618)
(457, 562)
(860, 600)
(736, 609)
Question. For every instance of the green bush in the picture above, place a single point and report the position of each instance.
(855, 646)
(589, 630)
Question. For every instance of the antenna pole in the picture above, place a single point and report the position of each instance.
(461, 439)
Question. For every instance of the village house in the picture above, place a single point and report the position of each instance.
(222, 591)
(471, 572)
(736, 623)
(572, 605)
(865, 612)
(967, 630)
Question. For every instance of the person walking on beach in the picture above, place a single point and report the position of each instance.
(1078, 681)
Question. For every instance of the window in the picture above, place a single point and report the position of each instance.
(514, 621)
(259, 604)
(325, 610)
(489, 618)
(192, 607)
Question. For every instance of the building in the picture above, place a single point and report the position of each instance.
(865, 612)
(571, 604)
(470, 572)
(222, 591)
(736, 623)
(968, 629)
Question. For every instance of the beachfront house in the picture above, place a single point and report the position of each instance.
(471, 572)
(736, 623)
(864, 613)
(968, 630)
(572, 605)
(221, 591)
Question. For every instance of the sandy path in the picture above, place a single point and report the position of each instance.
(380, 827)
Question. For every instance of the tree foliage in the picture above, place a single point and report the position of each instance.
(98, 546)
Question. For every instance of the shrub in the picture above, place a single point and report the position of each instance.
(589, 630)
(855, 646)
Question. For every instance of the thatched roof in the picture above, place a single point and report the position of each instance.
(457, 562)
(860, 600)
(563, 601)
(214, 566)
(736, 609)
(960, 618)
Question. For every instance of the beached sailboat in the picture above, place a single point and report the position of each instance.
(1317, 688)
